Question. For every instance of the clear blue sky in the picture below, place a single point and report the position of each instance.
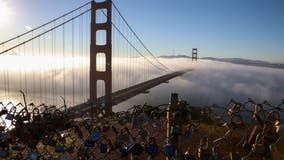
(251, 29)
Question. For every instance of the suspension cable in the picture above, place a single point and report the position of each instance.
(128, 41)
(136, 48)
(64, 15)
(45, 32)
(138, 37)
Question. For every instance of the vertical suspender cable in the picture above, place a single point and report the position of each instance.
(40, 67)
(87, 60)
(53, 72)
(73, 76)
(144, 71)
(83, 57)
(118, 82)
(81, 54)
(20, 67)
(26, 85)
(55, 66)
(131, 58)
(63, 52)
(45, 69)
(127, 79)
(133, 61)
(87, 55)
(33, 74)
(129, 64)
(4, 77)
(8, 83)
(113, 62)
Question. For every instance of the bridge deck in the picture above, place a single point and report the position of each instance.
(124, 94)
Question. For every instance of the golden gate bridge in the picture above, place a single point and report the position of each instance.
(89, 57)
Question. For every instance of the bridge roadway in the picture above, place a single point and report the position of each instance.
(124, 94)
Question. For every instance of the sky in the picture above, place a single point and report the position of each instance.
(252, 29)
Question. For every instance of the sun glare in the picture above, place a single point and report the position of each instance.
(4, 13)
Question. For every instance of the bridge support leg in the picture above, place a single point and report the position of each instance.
(194, 54)
(106, 49)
